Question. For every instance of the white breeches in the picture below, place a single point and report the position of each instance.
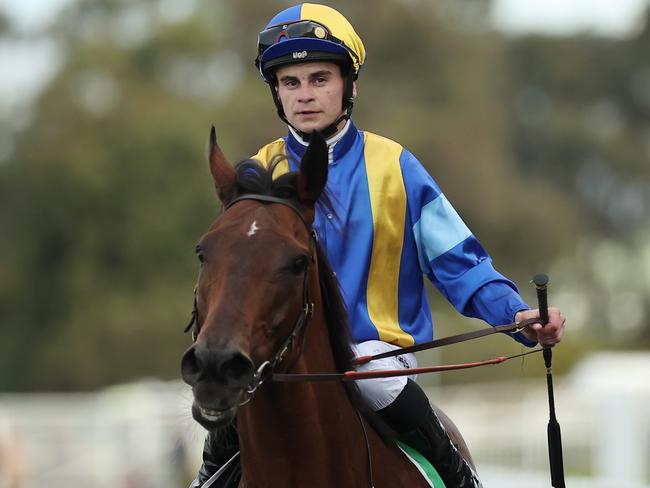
(381, 392)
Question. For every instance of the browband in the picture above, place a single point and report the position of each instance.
(270, 199)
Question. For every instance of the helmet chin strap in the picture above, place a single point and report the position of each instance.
(330, 130)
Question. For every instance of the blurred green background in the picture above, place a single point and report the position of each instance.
(542, 143)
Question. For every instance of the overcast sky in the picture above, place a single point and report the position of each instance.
(607, 17)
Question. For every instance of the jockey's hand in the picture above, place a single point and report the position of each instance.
(551, 333)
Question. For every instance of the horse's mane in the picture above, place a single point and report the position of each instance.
(254, 178)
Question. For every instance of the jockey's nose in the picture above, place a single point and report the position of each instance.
(228, 366)
(305, 93)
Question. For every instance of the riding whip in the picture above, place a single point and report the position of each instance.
(553, 429)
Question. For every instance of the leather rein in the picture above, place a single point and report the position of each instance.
(266, 369)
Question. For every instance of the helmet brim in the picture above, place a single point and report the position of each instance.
(298, 45)
(312, 56)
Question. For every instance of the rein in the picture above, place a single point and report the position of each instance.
(455, 339)
(387, 373)
(266, 369)
(444, 341)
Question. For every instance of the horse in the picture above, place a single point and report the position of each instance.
(267, 302)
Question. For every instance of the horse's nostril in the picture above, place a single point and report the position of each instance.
(238, 369)
(190, 367)
(225, 365)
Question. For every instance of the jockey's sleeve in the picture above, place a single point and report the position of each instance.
(452, 257)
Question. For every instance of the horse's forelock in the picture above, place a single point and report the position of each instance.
(256, 178)
(253, 177)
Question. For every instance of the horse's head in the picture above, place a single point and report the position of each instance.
(252, 292)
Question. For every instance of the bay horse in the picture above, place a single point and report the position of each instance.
(267, 302)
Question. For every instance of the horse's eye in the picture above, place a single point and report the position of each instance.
(199, 254)
(300, 265)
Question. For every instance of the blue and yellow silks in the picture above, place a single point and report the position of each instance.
(390, 225)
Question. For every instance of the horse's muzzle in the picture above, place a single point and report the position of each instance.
(212, 419)
(219, 379)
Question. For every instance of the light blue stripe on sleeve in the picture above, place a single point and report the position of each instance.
(439, 229)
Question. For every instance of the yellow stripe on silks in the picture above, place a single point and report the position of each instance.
(388, 202)
(271, 150)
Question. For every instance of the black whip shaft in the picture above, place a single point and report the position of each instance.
(553, 429)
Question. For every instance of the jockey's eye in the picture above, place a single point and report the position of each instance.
(199, 253)
(300, 265)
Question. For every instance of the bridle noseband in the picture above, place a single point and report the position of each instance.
(265, 370)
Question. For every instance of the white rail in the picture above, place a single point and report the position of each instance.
(142, 434)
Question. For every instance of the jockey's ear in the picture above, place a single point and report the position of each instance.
(313, 170)
(223, 173)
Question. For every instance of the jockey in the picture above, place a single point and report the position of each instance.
(390, 226)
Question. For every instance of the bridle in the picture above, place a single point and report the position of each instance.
(265, 370)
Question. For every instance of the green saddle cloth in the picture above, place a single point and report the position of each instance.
(424, 466)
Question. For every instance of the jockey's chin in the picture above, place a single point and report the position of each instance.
(310, 122)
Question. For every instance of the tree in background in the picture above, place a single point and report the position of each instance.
(580, 121)
(106, 190)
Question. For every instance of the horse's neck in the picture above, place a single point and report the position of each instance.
(305, 433)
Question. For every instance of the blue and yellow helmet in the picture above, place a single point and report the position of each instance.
(308, 32)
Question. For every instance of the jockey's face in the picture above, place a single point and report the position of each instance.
(311, 94)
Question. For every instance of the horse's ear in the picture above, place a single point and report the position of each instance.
(223, 173)
(313, 170)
